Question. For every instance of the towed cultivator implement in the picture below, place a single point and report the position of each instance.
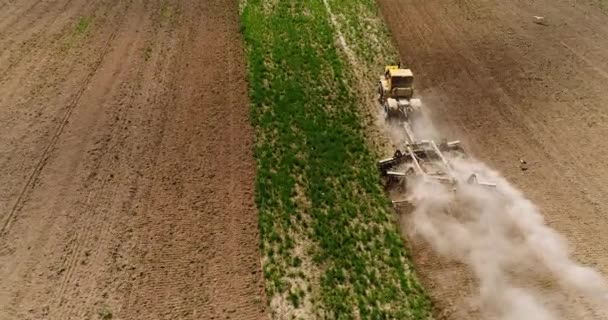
(421, 159)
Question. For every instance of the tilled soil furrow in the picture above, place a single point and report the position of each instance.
(31, 28)
(55, 138)
(142, 205)
(15, 11)
(33, 106)
(209, 214)
(33, 43)
(65, 270)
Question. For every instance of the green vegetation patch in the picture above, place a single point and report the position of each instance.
(77, 33)
(83, 25)
(169, 12)
(330, 245)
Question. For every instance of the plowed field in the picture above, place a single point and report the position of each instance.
(512, 89)
(126, 162)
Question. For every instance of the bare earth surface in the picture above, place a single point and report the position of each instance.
(511, 89)
(126, 162)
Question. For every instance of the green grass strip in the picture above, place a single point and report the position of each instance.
(317, 186)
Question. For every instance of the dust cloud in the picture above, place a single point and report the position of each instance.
(521, 266)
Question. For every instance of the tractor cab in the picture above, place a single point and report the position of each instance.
(395, 93)
(396, 83)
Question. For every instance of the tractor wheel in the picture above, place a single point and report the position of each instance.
(392, 112)
(388, 117)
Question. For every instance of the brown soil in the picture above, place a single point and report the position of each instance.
(126, 162)
(510, 89)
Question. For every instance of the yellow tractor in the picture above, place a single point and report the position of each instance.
(395, 92)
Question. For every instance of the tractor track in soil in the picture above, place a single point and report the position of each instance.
(126, 159)
(511, 89)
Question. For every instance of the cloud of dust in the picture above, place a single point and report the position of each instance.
(522, 266)
(394, 133)
(501, 236)
(423, 128)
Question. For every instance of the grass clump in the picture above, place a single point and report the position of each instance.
(169, 13)
(76, 34)
(83, 25)
(105, 314)
(147, 52)
(317, 189)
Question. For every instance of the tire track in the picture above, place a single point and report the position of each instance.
(93, 223)
(88, 229)
(75, 252)
(41, 162)
(149, 178)
(34, 94)
(85, 230)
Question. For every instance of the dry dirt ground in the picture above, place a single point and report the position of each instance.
(511, 89)
(126, 162)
